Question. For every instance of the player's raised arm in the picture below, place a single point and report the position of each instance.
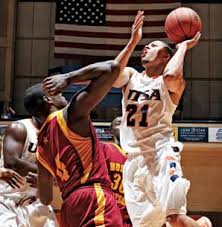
(54, 85)
(101, 76)
(125, 54)
(173, 73)
(85, 100)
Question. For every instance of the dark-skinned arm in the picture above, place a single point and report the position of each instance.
(101, 77)
(45, 193)
(11, 177)
(54, 85)
(13, 144)
(83, 102)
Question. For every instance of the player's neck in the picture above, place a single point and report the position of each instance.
(36, 122)
(153, 72)
(53, 109)
(116, 141)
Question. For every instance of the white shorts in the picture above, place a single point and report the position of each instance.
(155, 190)
(33, 215)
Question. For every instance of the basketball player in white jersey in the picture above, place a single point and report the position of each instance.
(20, 207)
(154, 187)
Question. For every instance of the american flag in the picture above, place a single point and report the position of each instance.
(103, 27)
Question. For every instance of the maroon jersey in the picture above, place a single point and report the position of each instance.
(74, 160)
(115, 159)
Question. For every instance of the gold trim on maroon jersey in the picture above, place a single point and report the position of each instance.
(43, 162)
(83, 146)
(101, 201)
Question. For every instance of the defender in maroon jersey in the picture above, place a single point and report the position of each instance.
(69, 150)
(115, 159)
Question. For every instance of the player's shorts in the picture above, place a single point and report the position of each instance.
(127, 224)
(126, 221)
(155, 190)
(91, 206)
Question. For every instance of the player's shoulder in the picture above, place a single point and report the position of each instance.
(16, 130)
(130, 71)
(17, 126)
(105, 144)
(52, 119)
(115, 148)
(124, 77)
(28, 123)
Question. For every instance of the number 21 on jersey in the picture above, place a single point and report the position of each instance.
(132, 109)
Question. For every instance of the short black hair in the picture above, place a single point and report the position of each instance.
(169, 50)
(114, 120)
(33, 99)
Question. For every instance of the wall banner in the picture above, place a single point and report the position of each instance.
(103, 133)
(215, 135)
(193, 134)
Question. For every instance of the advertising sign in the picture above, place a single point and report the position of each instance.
(103, 133)
(193, 134)
(215, 135)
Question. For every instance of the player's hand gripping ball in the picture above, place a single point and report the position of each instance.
(181, 24)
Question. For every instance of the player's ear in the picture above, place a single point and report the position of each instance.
(165, 56)
(47, 99)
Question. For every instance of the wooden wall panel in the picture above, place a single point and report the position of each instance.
(7, 31)
(202, 165)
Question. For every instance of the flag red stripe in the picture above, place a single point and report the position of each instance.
(136, 2)
(92, 34)
(107, 34)
(93, 58)
(134, 12)
(129, 24)
(94, 46)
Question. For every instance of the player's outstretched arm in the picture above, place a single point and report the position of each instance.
(136, 36)
(173, 73)
(125, 54)
(54, 85)
(78, 110)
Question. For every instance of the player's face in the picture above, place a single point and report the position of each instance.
(150, 52)
(116, 126)
(59, 101)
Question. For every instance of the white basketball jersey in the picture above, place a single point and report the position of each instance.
(29, 154)
(147, 115)
(29, 151)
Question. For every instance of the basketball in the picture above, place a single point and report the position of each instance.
(181, 24)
